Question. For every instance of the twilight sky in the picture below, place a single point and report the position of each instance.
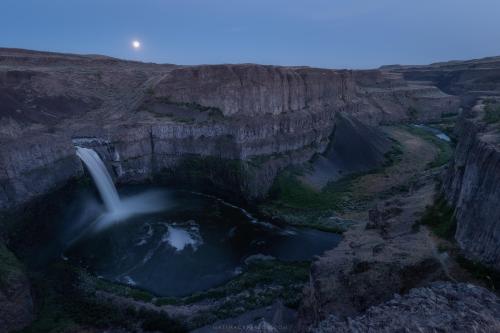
(323, 33)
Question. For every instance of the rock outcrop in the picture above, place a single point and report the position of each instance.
(26, 167)
(440, 307)
(152, 121)
(373, 262)
(387, 97)
(472, 186)
(468, 80)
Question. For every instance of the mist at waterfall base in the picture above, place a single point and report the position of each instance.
(166, 241)
(116, 209)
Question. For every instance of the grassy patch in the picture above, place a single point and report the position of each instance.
(10, 267)
(489, 276)
(289, 192)
(90, 282)
(393, 156)
(413, 113)
(297, 203)
(445, 149)
(182, 119)
(492, 113)
(439, 217)
(63, 305)
(262, 282)
(261, 274)
(449, 114)
(214, 111)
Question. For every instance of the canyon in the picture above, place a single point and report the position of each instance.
(146, 118)
(236, 131)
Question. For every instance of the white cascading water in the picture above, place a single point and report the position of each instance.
(101, 178)
(118, 209)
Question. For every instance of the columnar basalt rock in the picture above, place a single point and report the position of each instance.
(251, 90)
(468, 79)
(35, 165)
(154, 117)
(472, 186)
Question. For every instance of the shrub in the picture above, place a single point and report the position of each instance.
(440, 218)
(492, 113)
(490, 276)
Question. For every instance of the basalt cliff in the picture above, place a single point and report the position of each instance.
(472, 182)
(240, 123)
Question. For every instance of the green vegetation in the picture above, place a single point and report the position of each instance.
(489, 276)
(288, 191)
(258, 274)
(300, 204)
(191, 105)
(150, 91)
(262, 282)
(489, 101)
(445, 149)
(63, 305)
(394, 155)
(290, 277)
(439, 217)
(449, 114)
(10, 267)
(91, 283)
(492, 113)
(443, 247)
(413, 112)
(447, 124)
(181, 119)
(207, 173)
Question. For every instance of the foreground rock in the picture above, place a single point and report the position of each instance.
(440, 307)
(273, 318)
(383, 256)
(364, 270)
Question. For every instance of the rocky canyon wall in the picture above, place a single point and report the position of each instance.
(472, 181)
(468, 79)
(152, 121)
(472, 185)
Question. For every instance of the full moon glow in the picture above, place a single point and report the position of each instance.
(136, 44)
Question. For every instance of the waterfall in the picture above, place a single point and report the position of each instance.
(118, 209)
(101, 178)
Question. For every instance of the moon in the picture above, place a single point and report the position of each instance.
(136, 44)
